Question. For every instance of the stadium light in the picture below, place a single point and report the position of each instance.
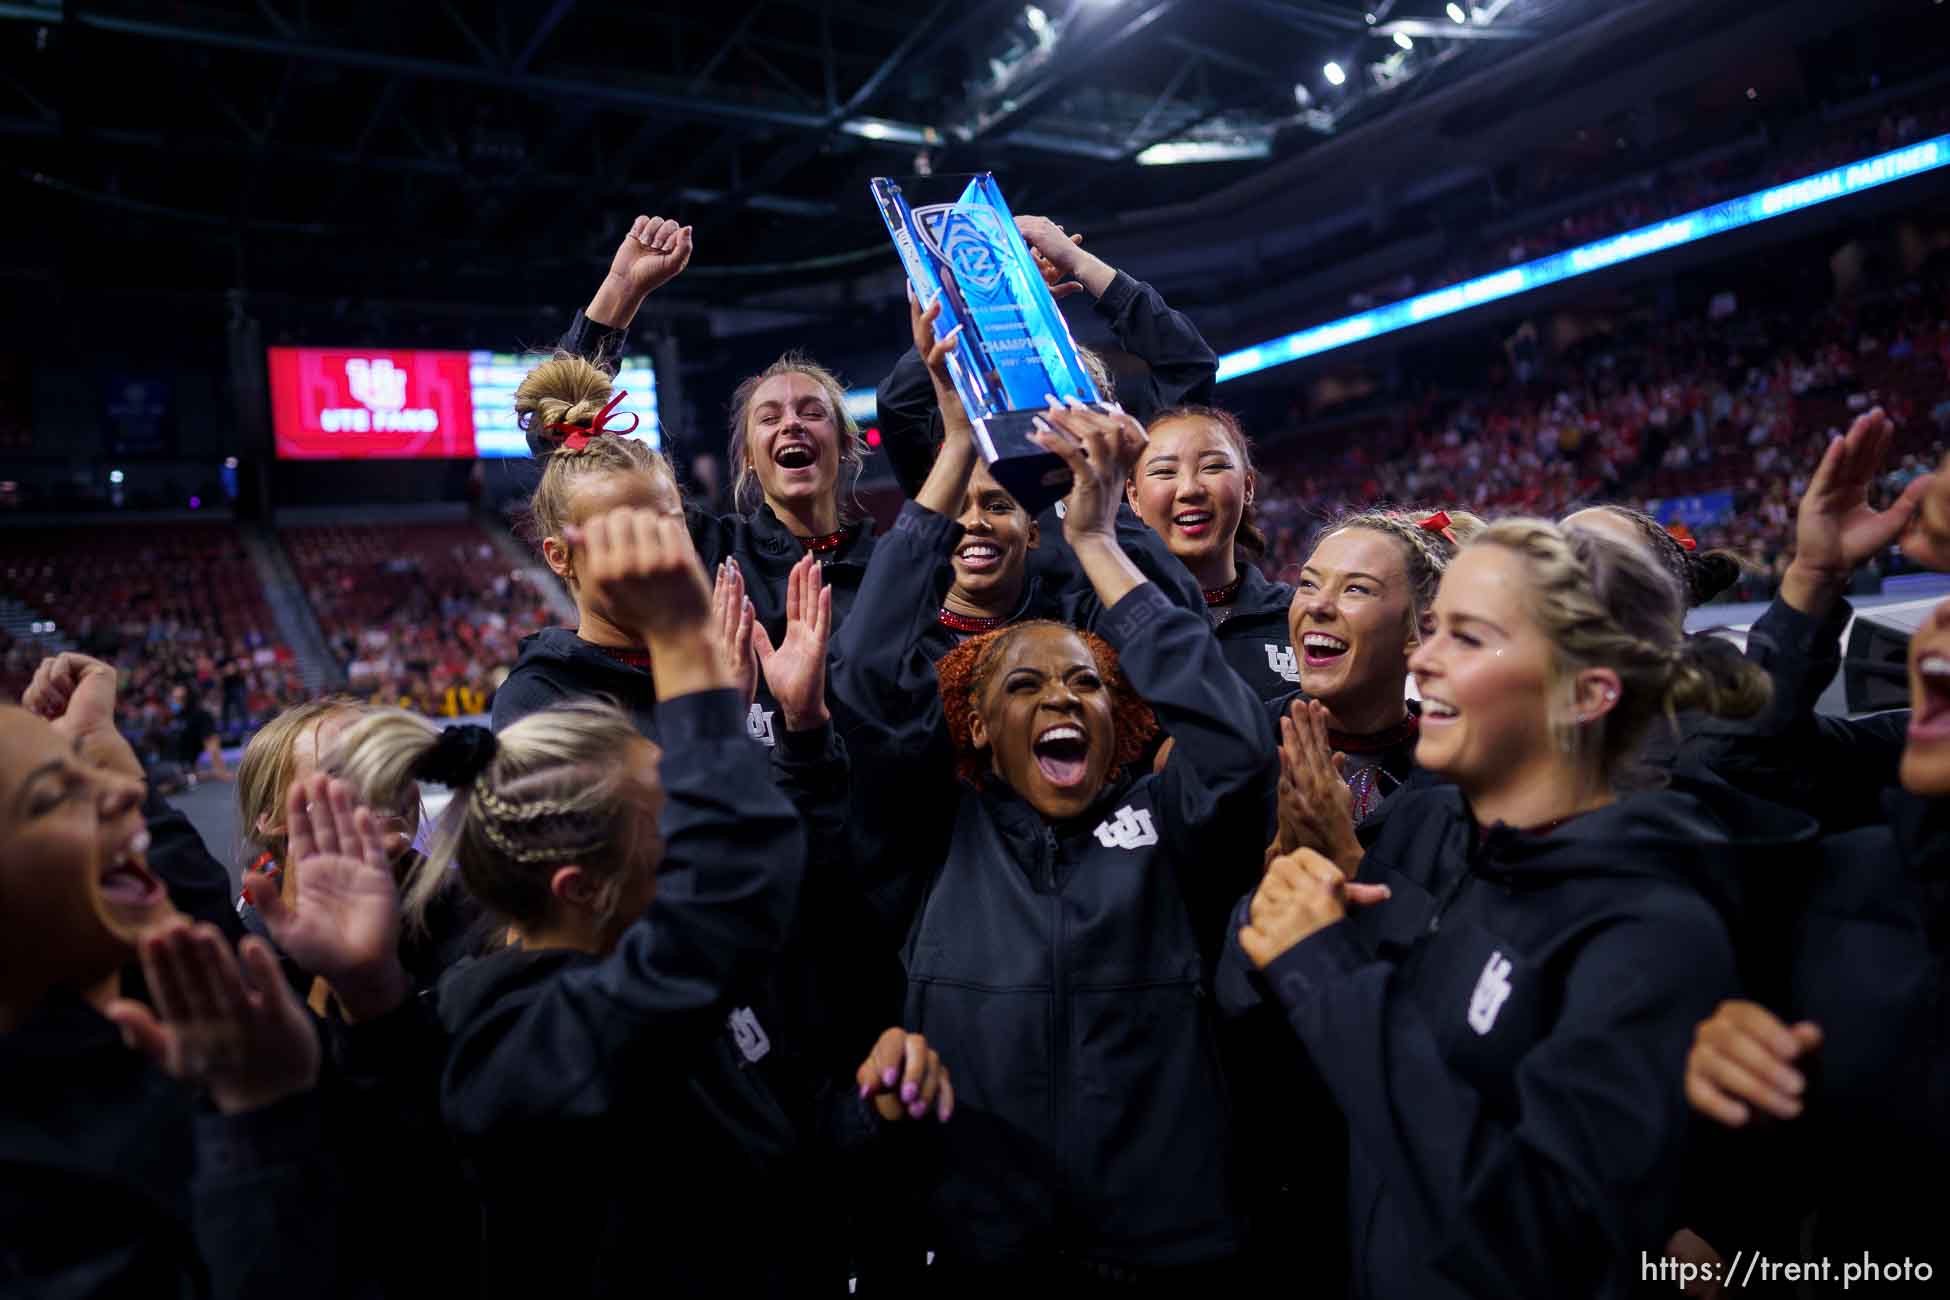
(1174, 152)
(115, 476)
(1334, 75)
(1404, 40)
(1456, 14)
(1761, 205)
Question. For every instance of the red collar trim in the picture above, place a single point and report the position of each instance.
(1223, 595)
(629, 655)
(975, 623)
(829, 542)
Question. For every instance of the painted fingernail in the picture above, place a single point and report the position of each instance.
(917, 1110)
(944, 1109)
(909, 1091)
(1051, 399)
(866, 1090)
(1042, 424)
(1071, 400)
(889, 1076)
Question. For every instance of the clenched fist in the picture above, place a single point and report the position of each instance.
(1301, 894)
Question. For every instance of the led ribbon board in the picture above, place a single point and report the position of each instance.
(1762, 205)
(391, 403)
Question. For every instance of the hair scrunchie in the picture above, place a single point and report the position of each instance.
(460, 756)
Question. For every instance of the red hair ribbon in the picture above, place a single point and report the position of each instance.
(1683, 535)
(580, 434)
(1438, 523)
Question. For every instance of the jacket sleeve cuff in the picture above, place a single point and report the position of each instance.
(813, 745)
(1139, 609)
(594, 341)
(284, 1131)
(1309, 967)
(700, 716)
(1118, 298)
(1796, 633)
(923, 528)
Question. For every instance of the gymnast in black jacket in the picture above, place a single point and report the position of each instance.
(117, 1183)
(1064, 910)
(795, 451)
(604, 1077)
(1505, 1029)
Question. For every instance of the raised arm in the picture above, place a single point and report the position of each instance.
(1791, 753)
(1179, 363)
(654, 252)
(727, 886)
(1214, 790)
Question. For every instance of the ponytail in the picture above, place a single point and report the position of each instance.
(1710, 675)
(567, 390)
(547, 792)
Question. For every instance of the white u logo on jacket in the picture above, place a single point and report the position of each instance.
(1492, 991)
(758, 725)
(1281, 659)
(1127, 828)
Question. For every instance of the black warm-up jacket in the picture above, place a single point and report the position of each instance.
(114, 1183)
(1837, 769)
(764, 548)
(629, 1121)
(1506, 1035)
(1254, 635)
(1866, 942)
(1064, 969)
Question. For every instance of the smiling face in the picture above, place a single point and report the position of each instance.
(1352, 622)
(1484, 675)
(76, 891)
(1045, 716)
(1191, 486)
(1926, 754)
(792, 440)
(990, 557)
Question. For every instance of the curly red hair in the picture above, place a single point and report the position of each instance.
(964, 672)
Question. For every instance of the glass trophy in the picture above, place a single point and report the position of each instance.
(959, 242)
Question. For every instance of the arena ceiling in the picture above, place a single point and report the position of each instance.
(483, 151)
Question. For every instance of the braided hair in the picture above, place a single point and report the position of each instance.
(546, 792)
(964, 673)
(1601, 603)
(1701, 575)
(1426, 552)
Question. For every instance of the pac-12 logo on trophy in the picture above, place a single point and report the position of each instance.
(966, 238)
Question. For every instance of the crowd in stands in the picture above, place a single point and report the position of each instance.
(1739, 405)
(424, 616)
(177, 609)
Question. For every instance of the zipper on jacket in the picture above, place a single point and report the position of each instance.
(1059, 1030)
(1448, 897)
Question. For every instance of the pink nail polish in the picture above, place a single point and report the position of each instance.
(889, 1076)
(909, 1091)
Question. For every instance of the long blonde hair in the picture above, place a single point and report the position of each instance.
(745, 490)
(553, 793)
(1604, 604)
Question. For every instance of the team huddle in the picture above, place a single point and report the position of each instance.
(1053, 901)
